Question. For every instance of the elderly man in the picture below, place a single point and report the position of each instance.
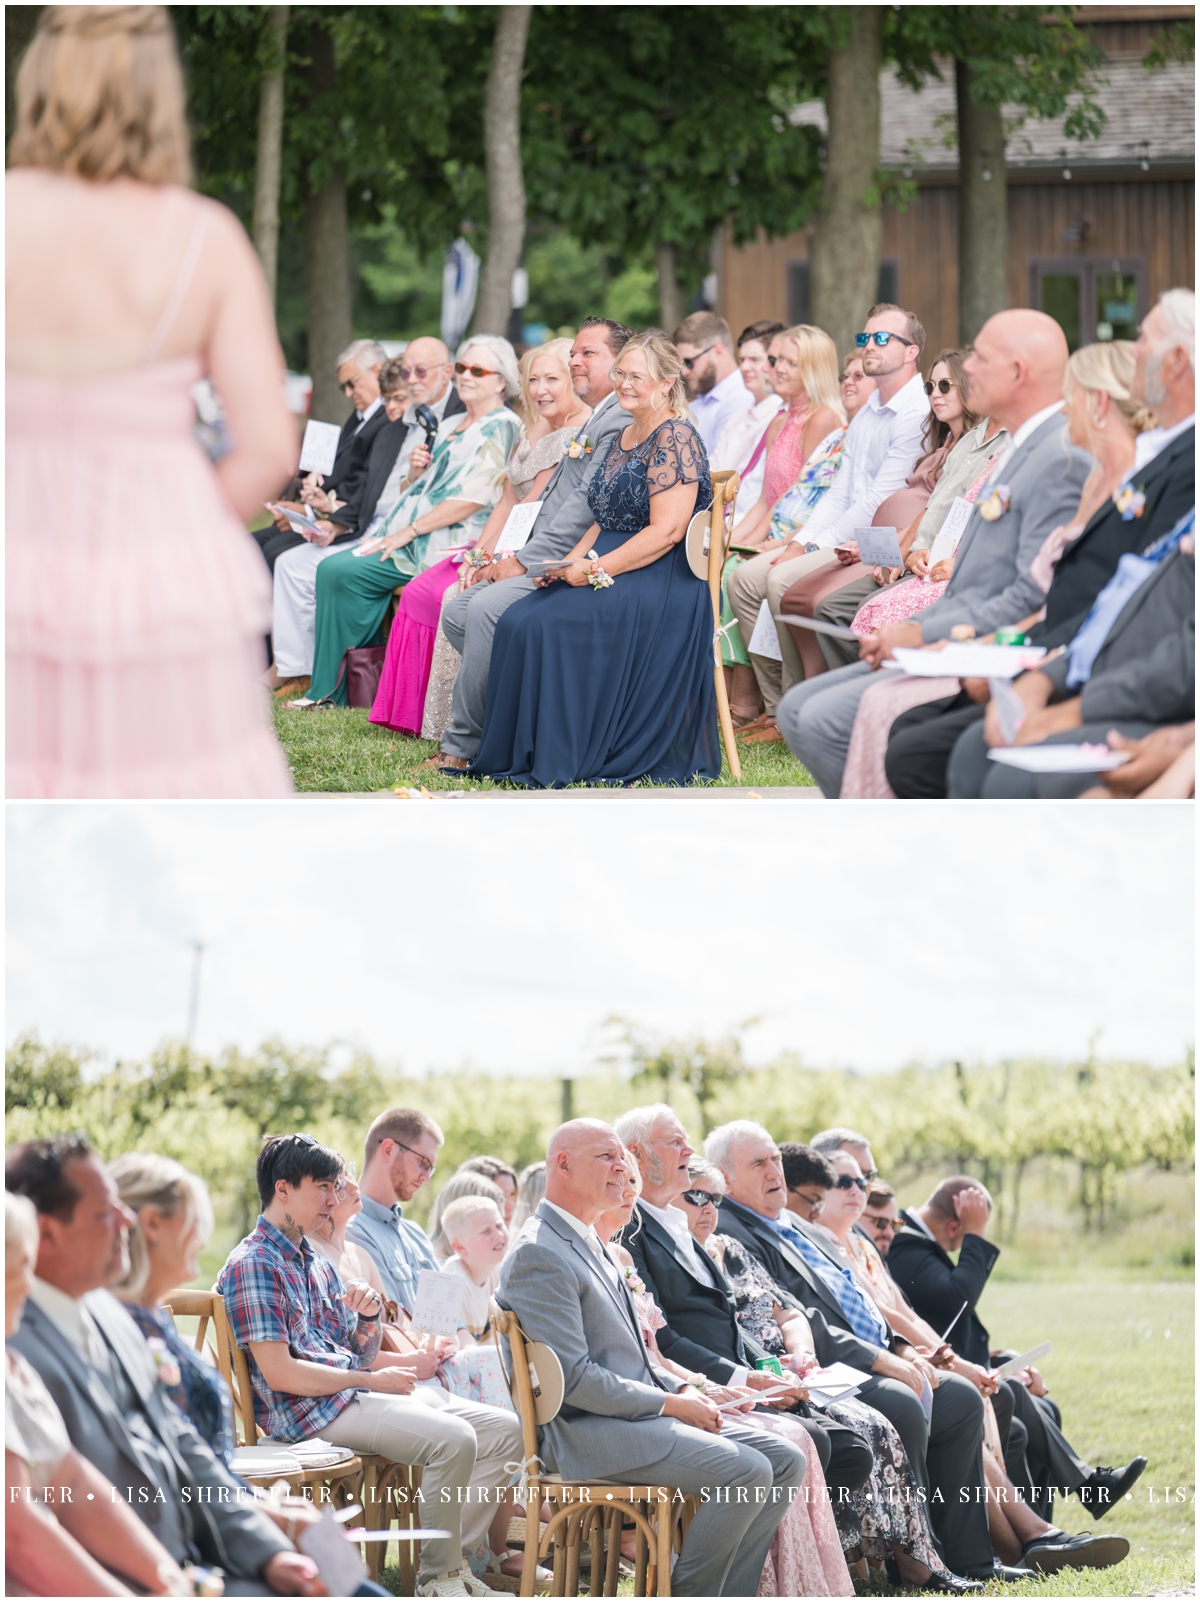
(945, 1452)
(470, 619)
(1015, 373)
(620, 1418)
(883, 442)
(97, 1366)
(715, 386)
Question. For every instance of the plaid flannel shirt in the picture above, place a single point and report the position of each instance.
(277, 1291)
(864, 1318)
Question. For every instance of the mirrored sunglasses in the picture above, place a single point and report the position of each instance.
(702, 1198)
(881, 339)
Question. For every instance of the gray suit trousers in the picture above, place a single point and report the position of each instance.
(816, 719)
(973, 776)
(748, 1476)
(469, 623)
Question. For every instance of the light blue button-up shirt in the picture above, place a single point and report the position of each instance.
(399, 1247)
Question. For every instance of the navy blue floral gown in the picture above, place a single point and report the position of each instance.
(615, 685)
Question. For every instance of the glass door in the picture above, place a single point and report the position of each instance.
(1092, 298)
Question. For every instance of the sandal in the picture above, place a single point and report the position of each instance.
(541, 1576)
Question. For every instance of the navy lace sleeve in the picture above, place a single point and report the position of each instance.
(678, 457)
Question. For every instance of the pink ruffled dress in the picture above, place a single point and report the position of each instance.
(136, 602)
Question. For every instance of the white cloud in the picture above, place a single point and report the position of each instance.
(503, 934)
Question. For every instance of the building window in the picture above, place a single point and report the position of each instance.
(1092, 298)
(799, 288)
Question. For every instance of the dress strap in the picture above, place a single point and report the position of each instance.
(180, 288)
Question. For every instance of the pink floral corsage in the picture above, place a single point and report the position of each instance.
(636, 1285)
(166, 1368)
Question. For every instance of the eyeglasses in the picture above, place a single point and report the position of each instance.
(881, 339)
(419, 373)
(870, 1173)
(347, 384)
(702, 1198)
(943, 386)
(844, 1182)
(638, 380)
(688, 362)
(880, 1224)
(774, 361)
(423, 1163)
(475, 372)
(814, 1203)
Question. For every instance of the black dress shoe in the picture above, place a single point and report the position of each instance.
(1107, 1486)
(944, 1582)
(1057, 1550)
(1005, 1573)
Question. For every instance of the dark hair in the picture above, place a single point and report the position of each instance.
(880, 1194)
(916, 328)
(293, 1158)
(764, 331)
(804, 1166)
(617, 334)
(37, 1169)
(941, 1202)
(937, 432)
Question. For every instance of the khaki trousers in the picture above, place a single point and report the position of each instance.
(463, 1448)
(747, 588)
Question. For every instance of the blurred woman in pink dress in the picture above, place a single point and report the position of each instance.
(136, 600)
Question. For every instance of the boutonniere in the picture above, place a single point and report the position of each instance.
(578, 447)
(636, 1285)
(996, 504)
(1130, 503)
(166, 1368)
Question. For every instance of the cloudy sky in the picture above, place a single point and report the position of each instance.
(503, 936)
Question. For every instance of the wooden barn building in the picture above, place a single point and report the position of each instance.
(1096, 230)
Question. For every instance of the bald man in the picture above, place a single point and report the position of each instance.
(622, 1419)
(1015, 374)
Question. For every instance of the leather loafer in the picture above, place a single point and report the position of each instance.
(945, 1583)
(1055, 1551)
(1106, 1486)
(1005, 1573)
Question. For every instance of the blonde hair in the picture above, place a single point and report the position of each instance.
(455, 1215)
(559, 349)
(100, 95)
(1107, 367)
(664, 361)
(20, 1226)
(817, 361)
(147, 1180)
(475, 1186)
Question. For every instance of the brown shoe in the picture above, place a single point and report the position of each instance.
(294, 688)
(767, 736)
(762, 721)
(439, 762)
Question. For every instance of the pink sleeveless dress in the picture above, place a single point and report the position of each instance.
(136, 602)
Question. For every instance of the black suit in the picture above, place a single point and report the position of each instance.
(349, 469)
(946, 1454)
(393, 440)
(702, 1334)
(922, 739)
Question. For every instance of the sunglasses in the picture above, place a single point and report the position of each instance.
(880, 1224)
(943, 386)
(702, 1198)
(688, 362)
(419, 373)
(348, 384)
(881, 339)
(476, 372)
(844, 1182)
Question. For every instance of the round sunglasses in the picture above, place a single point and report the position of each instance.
(881, 339)
(943, 386)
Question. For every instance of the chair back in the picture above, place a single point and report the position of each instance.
(520, 1384)
(725, 486)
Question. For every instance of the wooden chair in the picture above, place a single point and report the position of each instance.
(725, 486)
(588, 1512)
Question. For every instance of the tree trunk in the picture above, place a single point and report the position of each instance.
(844, 255)
(269, 157)
(326, 259)
(506, 184)
(670, 300)
(20, 25)
(982, 209)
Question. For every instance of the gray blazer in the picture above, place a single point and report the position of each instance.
(991, 584)
(565, 516)
(1146, 668)
(611, 1414)
(131, 1449)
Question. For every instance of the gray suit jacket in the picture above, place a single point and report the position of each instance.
(991, 584)
(1146, 668)
(565, 516)
(611, 1414)
(185, 1513)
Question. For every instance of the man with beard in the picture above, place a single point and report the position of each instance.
(715, 387)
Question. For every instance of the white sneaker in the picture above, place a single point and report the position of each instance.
(458, 1582)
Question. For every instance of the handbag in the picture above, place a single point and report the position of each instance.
(362, 668)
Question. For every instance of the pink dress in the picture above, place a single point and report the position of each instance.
(136, 602)
(785, 457)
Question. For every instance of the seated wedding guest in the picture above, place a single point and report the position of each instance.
(400, 1156)
(741, 445)
(881, 1216)
(470, 618)
(955, 1219)
(619, 1416)
(839, 1138)
(501, 1174)
(531, 1187)
(478, 1240)
(806, 1177)
(96, 1364)
(463, 1182)
(68, 1532)
(604, 676)
(358, 369)
(879, 1511)
(805, 1557)
(447, 505)
(316, 1366)
(716, 390)
(945, 1451)
(552, 415)
(1015, 376)
(1161, 767)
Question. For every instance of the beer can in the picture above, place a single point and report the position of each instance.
(1011, 637)
(771, 1365)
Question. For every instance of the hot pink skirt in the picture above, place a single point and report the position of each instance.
(400, 699)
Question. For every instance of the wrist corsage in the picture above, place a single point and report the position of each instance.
(597, 577)
(477, 559)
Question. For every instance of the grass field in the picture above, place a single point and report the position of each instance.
(339, 749)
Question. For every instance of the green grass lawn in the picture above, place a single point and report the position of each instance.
(339, 749)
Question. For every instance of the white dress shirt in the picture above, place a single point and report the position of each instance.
(883, 444)
(711, 412)
(588, 1235)
(674, 1221)
(1153, 442)
(364, 417)
(73, 1321)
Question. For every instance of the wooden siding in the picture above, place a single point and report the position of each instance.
(1152, 218)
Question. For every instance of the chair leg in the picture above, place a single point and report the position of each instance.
(615, 1520)
(664, 1523)
(641, 1564)
(726, 720)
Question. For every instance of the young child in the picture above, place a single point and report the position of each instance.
(478, 1238)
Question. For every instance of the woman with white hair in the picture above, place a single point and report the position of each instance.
(444, 510)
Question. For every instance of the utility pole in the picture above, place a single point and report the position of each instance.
(194, 998)
(568, 1100)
